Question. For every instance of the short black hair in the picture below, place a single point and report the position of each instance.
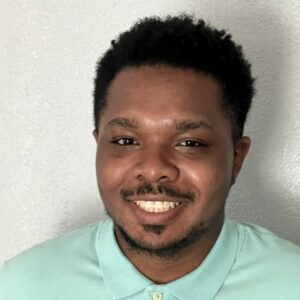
(181, 42)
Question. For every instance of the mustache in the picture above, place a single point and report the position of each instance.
(149, 188)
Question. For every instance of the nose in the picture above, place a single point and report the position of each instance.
(156, 165)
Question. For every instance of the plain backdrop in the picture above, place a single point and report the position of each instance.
(48, 54)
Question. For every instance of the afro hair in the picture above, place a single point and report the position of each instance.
(181, 42)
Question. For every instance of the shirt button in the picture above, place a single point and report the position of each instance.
(157, 296)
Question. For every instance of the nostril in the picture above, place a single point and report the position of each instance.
(155, 168)
(162, 178)
(141, 177)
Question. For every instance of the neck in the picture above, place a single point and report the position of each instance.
(164, 270)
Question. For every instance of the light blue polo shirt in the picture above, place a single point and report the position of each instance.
(246, 263)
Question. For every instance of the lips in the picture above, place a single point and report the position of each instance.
(155, 210)
(156, 206)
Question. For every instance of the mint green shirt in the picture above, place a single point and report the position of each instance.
(246, 263)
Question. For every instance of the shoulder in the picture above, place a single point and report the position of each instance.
(50, 261)
(266, 266)
(79, 238)
(260, 240)
(268, 258)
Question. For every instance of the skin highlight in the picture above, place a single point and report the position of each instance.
(164, 126)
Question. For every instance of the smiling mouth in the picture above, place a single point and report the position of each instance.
(156, 206)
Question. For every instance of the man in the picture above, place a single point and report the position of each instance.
(170, 102)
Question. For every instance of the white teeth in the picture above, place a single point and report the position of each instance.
(156, 206)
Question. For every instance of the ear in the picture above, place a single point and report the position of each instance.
(241, 149)
(95, 134)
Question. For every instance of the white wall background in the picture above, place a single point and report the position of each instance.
(47, 57)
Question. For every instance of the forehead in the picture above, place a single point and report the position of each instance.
(157, 95)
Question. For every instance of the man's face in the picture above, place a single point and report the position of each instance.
(165, 157)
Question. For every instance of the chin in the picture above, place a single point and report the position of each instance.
(155, 240)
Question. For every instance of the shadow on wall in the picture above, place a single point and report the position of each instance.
(262, 195)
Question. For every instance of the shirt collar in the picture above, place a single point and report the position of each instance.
(202, 283)
(120, 275)
(208, 278)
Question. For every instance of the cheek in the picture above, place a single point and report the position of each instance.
(211, 175)
(111, 172)
(108, 179)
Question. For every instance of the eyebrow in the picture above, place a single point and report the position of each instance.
(187, 125)
(123, 122)
(179, 125)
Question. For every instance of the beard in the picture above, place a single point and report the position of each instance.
(167, 250)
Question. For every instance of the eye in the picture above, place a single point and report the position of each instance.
(124, 141)
(192, 143)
